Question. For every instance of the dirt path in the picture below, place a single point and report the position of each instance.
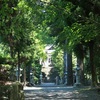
(60, 93)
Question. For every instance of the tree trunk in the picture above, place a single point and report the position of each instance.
(65, 65)
(24, 72)
(68, 73)
(69, 70)
(93, 69)
(18, 66)
(81, 64)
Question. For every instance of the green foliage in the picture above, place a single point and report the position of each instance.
(18, 31)
(11, 91)
(25, 26)
(73, 24)
(57, 60)
(74, 21)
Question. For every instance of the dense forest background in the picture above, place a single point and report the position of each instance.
(72, 26)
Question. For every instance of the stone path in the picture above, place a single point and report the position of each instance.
(52, 92)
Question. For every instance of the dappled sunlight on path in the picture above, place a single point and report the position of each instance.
(55, 93)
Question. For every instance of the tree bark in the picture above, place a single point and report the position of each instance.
(69, 70)
(93, 69)
(65, 64)
(18, 66)
(24, 72)
(81, 64)
(68, 73)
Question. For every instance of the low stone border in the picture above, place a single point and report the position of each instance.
(11, 91)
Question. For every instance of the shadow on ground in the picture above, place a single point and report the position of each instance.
(60, 93)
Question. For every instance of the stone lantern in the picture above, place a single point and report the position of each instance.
(77, 74)
(40, 78)
(65, 74)
(16, 73)
(31, 76)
